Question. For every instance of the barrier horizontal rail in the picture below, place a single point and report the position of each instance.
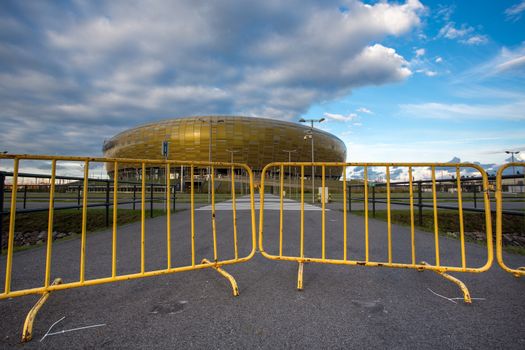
(519, 271)
(47, 286)
(437, 267)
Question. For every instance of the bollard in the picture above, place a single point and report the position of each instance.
(174, 197)
(25, 196)
(420, 203)
(349, 198)
(107, 204)
(2, 191)
(151, 201)
(134, 195)
(78, 198)
(373, 200)
(475, 195)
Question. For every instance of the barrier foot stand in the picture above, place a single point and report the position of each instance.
(521, 272)
(464, 289)
(27, 332)
(225, 274)
(300, 276)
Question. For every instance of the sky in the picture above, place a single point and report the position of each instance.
(404, 81)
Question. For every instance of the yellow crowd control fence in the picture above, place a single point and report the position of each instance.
(211, 172)
(298, 252)
(512, 189)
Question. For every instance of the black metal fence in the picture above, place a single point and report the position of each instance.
(75, 185)
(470, 186)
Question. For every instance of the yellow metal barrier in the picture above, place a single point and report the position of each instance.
(47, 287)
(520, 271)
(437, 267)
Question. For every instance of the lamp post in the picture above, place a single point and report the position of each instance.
(512, 153)
(231, 151)
(310, 136)
(290, 168)
(210, 122)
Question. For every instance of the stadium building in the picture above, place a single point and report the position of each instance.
(252, 141)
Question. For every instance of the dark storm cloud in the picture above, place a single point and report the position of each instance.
(75, 73)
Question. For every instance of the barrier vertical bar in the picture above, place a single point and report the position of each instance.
(412, 233)
(281, 182)
(85, 190)
(488, 218)
(461, 225)
(302, 211)
(344, 213)
(115, 217)
(11, 237)
(142, 216)
(50, 223)
(434, 200)
(389, 214)
(213, 224)
(365, 183)
(192, 200)
(234, 212)
(168, 216)
(323, 213)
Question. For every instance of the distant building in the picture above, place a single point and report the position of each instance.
(252, 141)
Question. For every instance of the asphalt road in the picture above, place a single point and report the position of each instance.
(340, 307)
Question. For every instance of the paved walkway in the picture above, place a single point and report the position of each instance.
(271, 202)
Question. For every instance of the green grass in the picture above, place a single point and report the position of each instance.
(71, 221)
(448, 221)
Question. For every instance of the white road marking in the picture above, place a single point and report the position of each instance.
(271, 202)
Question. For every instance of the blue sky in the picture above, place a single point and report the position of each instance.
(397, 81)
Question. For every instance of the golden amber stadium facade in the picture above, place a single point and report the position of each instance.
(253, 141)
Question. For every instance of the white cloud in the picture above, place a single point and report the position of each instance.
(514, 12)
(464, 34)
(476, 40)
(364, 110)
(113, 65)
(438, 59)
(427, 72)
(511, 111)
(507, 61)
(511, 64)
(450, 32)
(340, 117)
(420, 52)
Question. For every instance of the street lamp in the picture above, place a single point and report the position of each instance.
(512, 153)
(231, 153)
(231, 161)
(310, 136)
(290, 168)
(210, 122)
